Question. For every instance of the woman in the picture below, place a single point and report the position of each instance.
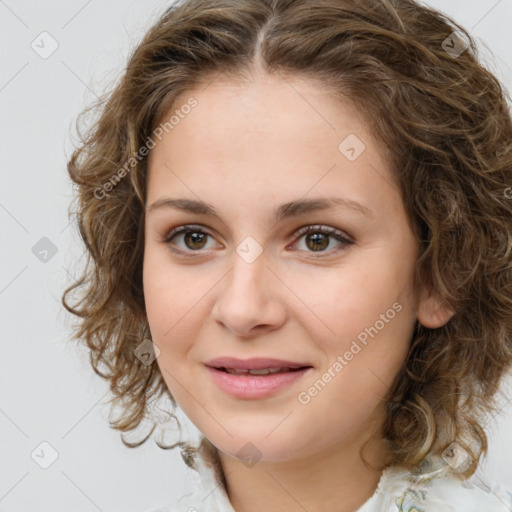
(298, 223)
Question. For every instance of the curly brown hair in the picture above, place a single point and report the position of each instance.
(414, 74)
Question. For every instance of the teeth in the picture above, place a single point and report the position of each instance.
(235, 372)
(263, 371)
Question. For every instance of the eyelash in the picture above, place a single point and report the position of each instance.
(189, 228)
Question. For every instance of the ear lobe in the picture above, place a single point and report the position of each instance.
(432, 313)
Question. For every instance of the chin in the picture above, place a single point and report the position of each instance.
(254, 445)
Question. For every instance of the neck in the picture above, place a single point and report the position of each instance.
(336, 479)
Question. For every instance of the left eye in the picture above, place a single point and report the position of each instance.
(317, 238)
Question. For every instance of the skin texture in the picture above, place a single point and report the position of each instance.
(245, 149)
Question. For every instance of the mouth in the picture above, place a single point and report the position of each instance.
(266, 364)
(255, 378)
(260, 372)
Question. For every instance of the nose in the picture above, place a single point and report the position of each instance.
(249, 300)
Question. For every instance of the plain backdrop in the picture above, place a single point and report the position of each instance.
(52, 408)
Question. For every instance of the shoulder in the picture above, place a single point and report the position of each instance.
(176, 506)
(401, 491)
(209, 493)
(183, 504)
(451, 494)
(215, 500)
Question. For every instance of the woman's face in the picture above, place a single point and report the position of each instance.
(247, 283)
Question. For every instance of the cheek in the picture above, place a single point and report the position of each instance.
(165, 303)
(176, 303)
(166, 310)
(157, 297)
(351, 299)
(370, 318)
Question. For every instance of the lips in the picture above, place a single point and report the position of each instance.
(255, 378)
(262, 371)
(240, 366)
(249, 386)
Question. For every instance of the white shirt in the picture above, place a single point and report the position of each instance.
(434, 490)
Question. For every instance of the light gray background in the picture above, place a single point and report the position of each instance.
(49, 392)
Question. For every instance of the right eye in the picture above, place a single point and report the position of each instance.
(192, 236)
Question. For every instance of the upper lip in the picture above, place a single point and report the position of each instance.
(256, 363)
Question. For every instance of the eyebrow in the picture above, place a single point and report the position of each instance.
(284, 211)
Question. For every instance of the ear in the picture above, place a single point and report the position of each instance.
(432, 312)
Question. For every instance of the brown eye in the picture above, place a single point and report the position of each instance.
(318, 239)
(193, 239)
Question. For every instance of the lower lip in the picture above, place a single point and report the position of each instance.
(254, 386)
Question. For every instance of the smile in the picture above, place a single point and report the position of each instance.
(263, 371)
(254, 384)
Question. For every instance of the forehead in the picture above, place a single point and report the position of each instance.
(277, 113)
(269, 106)
(274, 135)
